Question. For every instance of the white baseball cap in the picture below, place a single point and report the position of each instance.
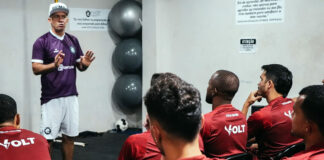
(57, 7)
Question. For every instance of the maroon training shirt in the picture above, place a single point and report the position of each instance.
(200, 157)
(314, 153)
(140, 147)
(271, 126)
(21, 144)
(224, 132)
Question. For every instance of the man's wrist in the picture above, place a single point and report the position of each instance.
(248, 104)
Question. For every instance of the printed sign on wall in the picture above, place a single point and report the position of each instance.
(247, 45)
(259, 11)
(85, 19)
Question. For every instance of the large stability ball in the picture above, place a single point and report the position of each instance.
(127, 57)
(125, 18)
(127, 92)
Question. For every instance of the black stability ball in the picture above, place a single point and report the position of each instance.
(127, 92)
(127, 57)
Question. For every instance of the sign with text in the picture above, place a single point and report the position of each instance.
(259, 11)
(247, 45)
(85, 19)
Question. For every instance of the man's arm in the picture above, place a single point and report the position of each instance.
(249, 101)
(39, 68)
(85, 61)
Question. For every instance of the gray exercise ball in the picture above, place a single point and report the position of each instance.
(127, 92)
(125, 18)
(127, 56)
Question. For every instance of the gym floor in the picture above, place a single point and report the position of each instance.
(98, 146)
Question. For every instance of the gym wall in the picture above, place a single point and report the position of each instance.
(195, 38)
(22, 23)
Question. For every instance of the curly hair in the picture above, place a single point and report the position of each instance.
(176, 105)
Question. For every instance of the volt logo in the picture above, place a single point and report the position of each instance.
(17, 143)
(288, 114)
(235, 129)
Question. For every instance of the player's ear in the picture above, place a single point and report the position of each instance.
(17, 121)
(202, 121)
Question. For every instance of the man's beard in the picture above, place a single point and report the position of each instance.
(209, 99)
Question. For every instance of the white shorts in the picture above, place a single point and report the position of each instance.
(60, 115)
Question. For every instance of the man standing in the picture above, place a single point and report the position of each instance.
(174, 111)
(224, 130)
(56, 55)
(271, 125)
(16, 143)
(308, 122)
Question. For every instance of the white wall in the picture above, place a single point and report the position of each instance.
(190, 38)
(195, 38)
(22, 23)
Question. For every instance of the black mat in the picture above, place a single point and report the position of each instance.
(99, 146)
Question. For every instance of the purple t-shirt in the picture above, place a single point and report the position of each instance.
(62, 81)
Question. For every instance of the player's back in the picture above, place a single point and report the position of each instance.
(21, 144)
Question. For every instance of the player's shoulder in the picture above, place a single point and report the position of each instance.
(261, 114)
(44, 37)
(74, 38)
(139, 137)
(286, 101)
(317, 155)
(26, 132)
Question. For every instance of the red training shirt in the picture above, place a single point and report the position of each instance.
(271, 126)
(314, 153)
(224, 132)
(21, 144)
(200, 157)
(140, 147)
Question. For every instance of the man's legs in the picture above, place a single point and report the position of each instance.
(67, 147)
(51, 119)
(70, 125)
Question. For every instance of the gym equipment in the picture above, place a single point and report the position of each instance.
(127, 57)
(125, 18)
(127, 92)
(121, 125)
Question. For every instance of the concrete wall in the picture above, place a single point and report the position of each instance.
(22, 23)
(195, 38)
(190, 38)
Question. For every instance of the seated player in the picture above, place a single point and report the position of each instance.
(174, 111)
(140, 147)
(16, 143)
(271, 125)
(224, 130)
(308, 123)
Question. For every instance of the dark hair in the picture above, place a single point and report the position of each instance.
(226, 83)
(280, 76)
(313, 105)
(8, 108)
(176, 106)
(154, 77)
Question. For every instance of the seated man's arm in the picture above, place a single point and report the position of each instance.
(249, 101)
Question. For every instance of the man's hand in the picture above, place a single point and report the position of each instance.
(87, 58)
(323, 81)
(253, 97)
(59, 59)
(249, 101)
